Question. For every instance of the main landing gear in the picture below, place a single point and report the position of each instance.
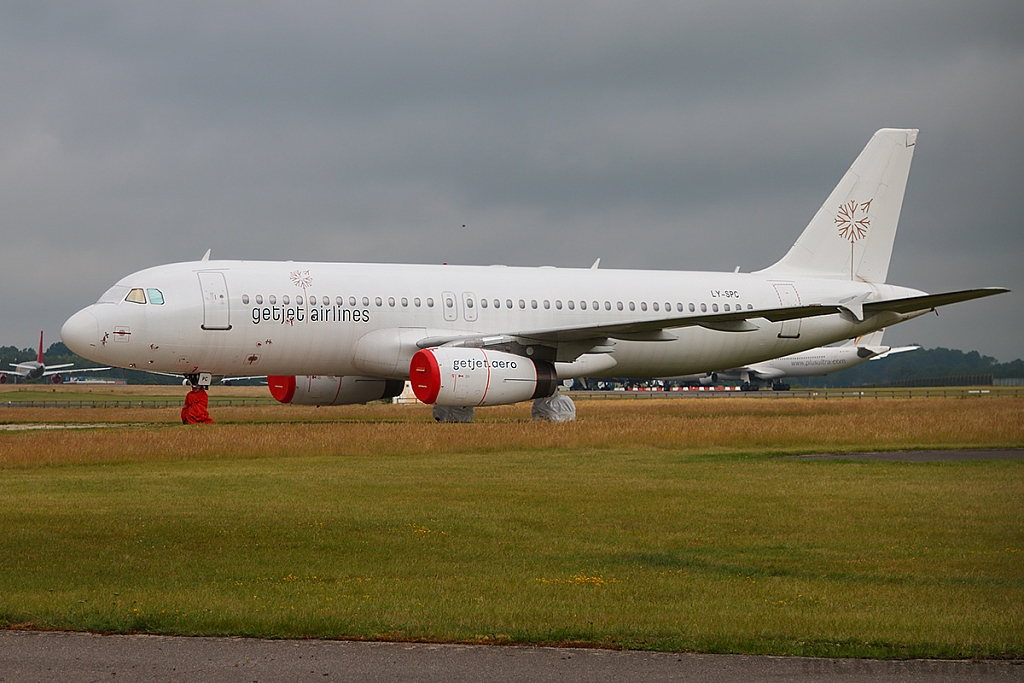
(555, 408)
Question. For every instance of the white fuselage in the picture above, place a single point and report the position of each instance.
(250, 321)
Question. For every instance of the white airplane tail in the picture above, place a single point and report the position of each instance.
(852, 234)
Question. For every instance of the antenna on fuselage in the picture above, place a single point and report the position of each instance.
(596, 264)
(206, 256)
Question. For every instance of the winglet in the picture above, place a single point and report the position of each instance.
(206, 256)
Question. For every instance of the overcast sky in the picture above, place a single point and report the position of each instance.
(668, 135)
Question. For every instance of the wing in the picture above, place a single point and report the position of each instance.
(656, 328)
(54, 369)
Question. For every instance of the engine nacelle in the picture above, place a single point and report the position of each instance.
(708, 379)
(454, 376)
(56, 379)
(3, 379)
(327, 390)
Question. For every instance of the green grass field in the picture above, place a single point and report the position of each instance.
(666, 525)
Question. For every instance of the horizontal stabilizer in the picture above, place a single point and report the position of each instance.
(915, 304)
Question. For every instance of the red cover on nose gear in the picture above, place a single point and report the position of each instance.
(195, 409)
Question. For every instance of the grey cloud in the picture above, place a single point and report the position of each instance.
(666, 135)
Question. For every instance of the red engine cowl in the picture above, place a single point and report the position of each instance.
(327, 390)
(451, 376)
(56, 379)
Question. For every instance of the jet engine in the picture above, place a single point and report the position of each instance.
(454, 376)
(327, 390)
(708, 379)
(56, 379)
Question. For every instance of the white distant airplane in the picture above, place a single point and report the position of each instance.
(35, 369)
(811, 363)
(337, 333)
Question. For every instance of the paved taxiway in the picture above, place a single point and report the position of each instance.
(56, 656)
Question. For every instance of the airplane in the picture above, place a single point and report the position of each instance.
(812, 363)
(466, 336)
(36, 369)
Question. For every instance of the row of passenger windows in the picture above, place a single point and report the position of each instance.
(497, 303)
(139, 296)
(596, 305)
(338, 301)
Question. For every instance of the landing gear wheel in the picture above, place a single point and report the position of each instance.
(554, 408)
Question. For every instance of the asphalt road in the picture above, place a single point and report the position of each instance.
(27, 657)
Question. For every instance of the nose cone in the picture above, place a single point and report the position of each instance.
(81, 333)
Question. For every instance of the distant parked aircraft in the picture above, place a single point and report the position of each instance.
(812, 363)
(36, 369)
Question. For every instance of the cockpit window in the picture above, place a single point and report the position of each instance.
(136, 296)
(114, 295)
(155, 296)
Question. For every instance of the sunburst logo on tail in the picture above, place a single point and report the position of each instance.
(853, 223)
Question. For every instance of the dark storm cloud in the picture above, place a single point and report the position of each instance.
(662, 135)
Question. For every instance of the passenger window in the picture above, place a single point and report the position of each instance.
(391, 301)
(497, 304)
(245, 298)
(284, 299)
(703, 308)
(298, 300)
(270, 299)
(632, 306)
(351, 301)
(668, 306)
(714, 307)
(416, 302)
(558, 304)
(430, 302)
(547, 304)
(607, 305)
(405, 302)
(469, 303)
(572, 305)
(533, 303)
(508, 303)
(679, 307)
(655, 305)
(750, 307)
(727, 308)
(522, 304)
(618, 305)
(155, 296)
(692, 308)
(448, 302)
(326, 300)
(339, 301)
(597, 306)
(583, 305)
(378, 301)
(643, 305)
(366, 301)
(259, 298)
(483, 303)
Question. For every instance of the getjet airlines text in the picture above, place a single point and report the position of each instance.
(334, 314)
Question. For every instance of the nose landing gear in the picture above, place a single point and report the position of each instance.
(195, 410)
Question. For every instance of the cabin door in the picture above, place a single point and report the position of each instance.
(216, 310)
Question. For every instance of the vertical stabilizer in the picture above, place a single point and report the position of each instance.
(40, 346)
(852, 234)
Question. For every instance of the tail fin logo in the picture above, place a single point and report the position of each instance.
(853, 220)
(853, 223)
